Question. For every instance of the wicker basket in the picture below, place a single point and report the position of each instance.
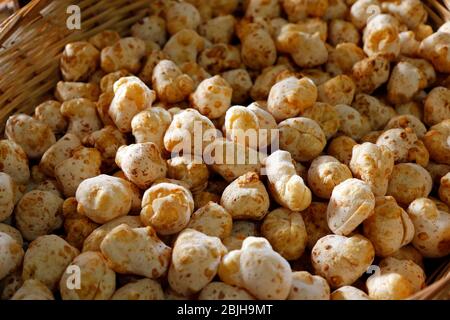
(33, 38)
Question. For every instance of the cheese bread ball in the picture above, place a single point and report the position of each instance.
(374, 165)
(377, 112)
(38, 213)
(14, 161)
(381, 36)
(435, 48)
(326, 117)
(187, 127)
(286, 232)
(150, 28)
(181, 16)
(144, 289)
(77, 227)
(389, 228)
(107, 141)
(11, 254)
(167, 207)
(444, 189)
(103, 198)
(408, 182)
(190, 170)
(219, 29)
(34, 136)
(221, 291)
(170, 84)
(150, 125)
(246, 198)
(342, 260)
(405, 82)
(103, 103)
(432, 228)
(195, 261)
(302, 137)
(46, 260)
(79, 60)
(353, 124)
(437, 143)
(12, 232)
(141, 163)
(267, 126)
(195, 71)
(265, 80)
(306, 49)
(437, 106)
(300, 9)
(315, 219)
(212, 97)
(131, 96)
(7, 196)
(338, 90)
(33, 290)
(405, 145)
(212, 220)
(219, 58)
(306, 286)
(349, 293)
(410, 12)
(82, 117)
(425, 67)
(94, 239)
(396, 280)
(342, 31)
(287, 188)
(371, 137)
(184, 46)
(151, 61)
(66, 91)
(370, 73)
(407, 121)
(231, 159)
(351, 202)
(362, 10)
(341, 148)
(49, 112)
(325, 173)
(342, 58)
(123, 54)
(257, 268)
(104, 38)
(290, 97)
(83, 164)
(94, 272)
(233, 150)
(242, 126)
(136, 251)
(240, 230)
(241, 83)
(409, 46)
